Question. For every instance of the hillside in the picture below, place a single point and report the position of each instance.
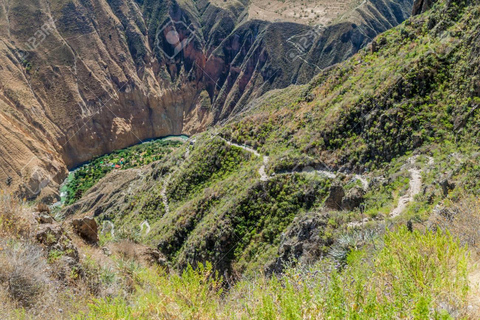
(372, 139)
(84, 78)
(352, 196)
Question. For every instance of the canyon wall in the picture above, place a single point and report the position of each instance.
(81, 78)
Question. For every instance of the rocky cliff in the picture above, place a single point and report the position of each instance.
(84, 77)
(391, 134)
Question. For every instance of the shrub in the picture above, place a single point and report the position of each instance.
(23, 269)
(415, 275)
(12, 221)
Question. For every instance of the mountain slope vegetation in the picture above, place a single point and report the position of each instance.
(352, 196)
(340, 150)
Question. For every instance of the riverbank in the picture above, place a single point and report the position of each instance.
(82, 178)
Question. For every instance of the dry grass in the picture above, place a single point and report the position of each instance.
(461, 219)
(14, 221)
(23, 271)
(30, 285)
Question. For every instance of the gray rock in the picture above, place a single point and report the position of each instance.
(106, 251)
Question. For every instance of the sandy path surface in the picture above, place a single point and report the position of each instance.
(415, 186)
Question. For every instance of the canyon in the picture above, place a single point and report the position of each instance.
(262, 159)
(82, 78)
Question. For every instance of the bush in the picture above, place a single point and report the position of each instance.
(415, 275)
(23, 270)
(12, 221)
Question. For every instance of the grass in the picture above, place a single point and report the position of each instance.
(414, 275)
(398, 274)
(408, 99)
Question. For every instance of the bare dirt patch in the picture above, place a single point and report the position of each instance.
(299, 11)
(308, 12)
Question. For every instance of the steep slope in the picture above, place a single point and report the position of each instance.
(390, 134)
(82, 78)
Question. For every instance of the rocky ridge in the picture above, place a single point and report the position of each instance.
(81, 79)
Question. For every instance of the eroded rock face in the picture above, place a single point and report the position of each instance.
(353, 199)
(334, 200)
(60, 249)
(420, 6)
(54, 237)
(80, 79)
(49, 234)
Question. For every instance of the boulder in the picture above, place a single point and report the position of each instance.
(334, 200)
(353, 199)
(86, 228)
(49, 234)
(106, 251)
(43, 208)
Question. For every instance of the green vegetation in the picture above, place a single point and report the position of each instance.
(213, 162)
(415, 275)
(417, 85)
(411, 96)
(407, 104)
(140, 155)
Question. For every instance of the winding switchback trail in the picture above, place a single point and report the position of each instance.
(261, 171)
(265, 177)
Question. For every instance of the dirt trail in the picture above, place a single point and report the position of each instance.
(415, 186)
(261, 171)
(363, 181)
(414, 189)
(328, 174)
(145, 225)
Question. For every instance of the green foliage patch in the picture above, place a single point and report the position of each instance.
(140, 155)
